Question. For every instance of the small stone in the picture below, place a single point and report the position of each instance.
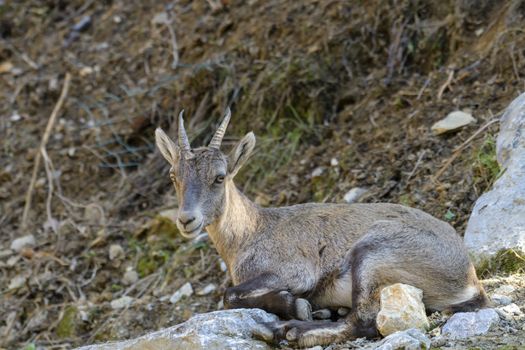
(500, 299)
(121, 302)
(334, 162)
(510, 311)
(354, 194)
(209, 288)
(130, 277)
(223, 266)
(410, 339)
(321, 314)
(439, 341)
(343, 311)
(318, 347)
(27, 241)
(464, 325)
(17, 282)
(12, 261)
(116, 251)
(318, 172)
(160, 18)
(185, 291)
(401, 308)
(505, 289)
(452, 121)
(5, 253)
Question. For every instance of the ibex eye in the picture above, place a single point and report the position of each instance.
(219, 179)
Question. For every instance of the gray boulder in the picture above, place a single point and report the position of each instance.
(229, 329)
(498, 218)
(464, 325)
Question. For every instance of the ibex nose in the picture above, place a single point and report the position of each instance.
(186, 218)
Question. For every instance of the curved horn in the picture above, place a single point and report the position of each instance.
(184, 143)
(219, 134)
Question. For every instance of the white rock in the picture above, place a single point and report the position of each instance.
(410, 339)
(4, 253)
(121, 302)
(500, 299)
(498, 219)
(354, 194)
(17, 282)
(334, 162)
(130, 277)
(12, 261)
(23, 242)
(219, 330)
(453, 121)
(505, 289)
(185, 291)
(401, 308)
(510, 311)
(209, 288)
(464, 325)
(223, 266)
(116, 251)
(317, 171)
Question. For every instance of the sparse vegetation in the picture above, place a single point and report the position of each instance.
(360, 82)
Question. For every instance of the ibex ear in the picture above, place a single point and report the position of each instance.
(241, 153)
(167, 147)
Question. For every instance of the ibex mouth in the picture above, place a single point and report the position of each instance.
(193, 233)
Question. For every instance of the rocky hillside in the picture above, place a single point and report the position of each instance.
(341, 95)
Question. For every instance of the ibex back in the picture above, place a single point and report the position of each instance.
(290, 259)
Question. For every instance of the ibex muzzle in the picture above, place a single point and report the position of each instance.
(292, 259)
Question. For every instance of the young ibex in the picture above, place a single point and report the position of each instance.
(285, 259)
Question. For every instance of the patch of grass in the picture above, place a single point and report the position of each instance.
(506, 261)
(486, 167)
(66, 328)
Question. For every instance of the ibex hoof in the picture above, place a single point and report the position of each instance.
(303, 309)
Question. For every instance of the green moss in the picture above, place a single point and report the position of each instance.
(486, 167)
(66, 328)
(506, 261)
(162, 226)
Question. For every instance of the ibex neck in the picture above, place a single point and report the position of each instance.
(237, 222)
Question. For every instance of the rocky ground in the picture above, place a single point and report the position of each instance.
(340, 96)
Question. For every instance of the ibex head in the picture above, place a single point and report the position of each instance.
(200, 175)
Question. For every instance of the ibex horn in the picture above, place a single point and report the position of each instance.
(219, 134)
(184, 143)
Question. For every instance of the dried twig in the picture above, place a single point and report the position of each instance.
(446, 85)
(43, 144)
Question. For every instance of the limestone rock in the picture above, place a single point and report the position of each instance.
(185, 291)
(354, 194)
(500, 299)
(464, 325)
(510, 312)
(23, 242)
(121, 302)
(498, 218)
(452, 121)
(401, 308)
(116, 251)
(207, 289)
(230, 329)
(410, 339)
(130, 277)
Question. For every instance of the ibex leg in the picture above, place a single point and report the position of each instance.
(268, 292)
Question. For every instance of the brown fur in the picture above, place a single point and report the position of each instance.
(335, 255)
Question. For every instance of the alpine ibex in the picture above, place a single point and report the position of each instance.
(290, 259)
